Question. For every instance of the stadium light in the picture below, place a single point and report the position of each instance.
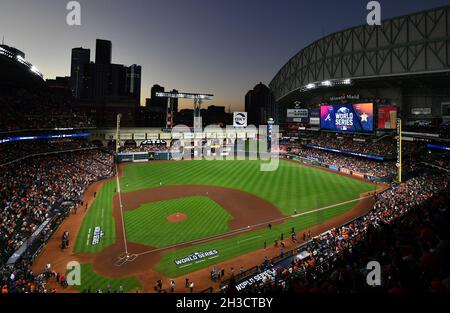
(35, 70)
(184, 95)
(21, 60)
(197, 97)
(347, 81)
(326, 84)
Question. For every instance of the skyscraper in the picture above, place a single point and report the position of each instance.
(102, 81)
(156, 108)
(259, 105)
(158, 102)
(80, 58)
(118, 80)
(133, 87)
(102, 51)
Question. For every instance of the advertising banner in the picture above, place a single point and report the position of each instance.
(421, 111)
(152, 135)
(126, 136)
(139, 136)
(165, 136)
(240, 119)
(297, 116)
(358, 174)
(314, 117)
(387, 118)
(334, 168)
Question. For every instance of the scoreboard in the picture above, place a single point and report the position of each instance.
(347, 117)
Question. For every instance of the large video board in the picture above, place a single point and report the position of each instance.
(347, 117)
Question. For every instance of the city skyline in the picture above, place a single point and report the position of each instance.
(226, 50)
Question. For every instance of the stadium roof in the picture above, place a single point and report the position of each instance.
(414, 44)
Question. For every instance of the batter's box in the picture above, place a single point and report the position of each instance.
(124, 258)
(131, 257)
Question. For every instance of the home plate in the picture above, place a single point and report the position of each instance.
(125, 257)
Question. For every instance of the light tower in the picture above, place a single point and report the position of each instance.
(198, 98)
(119, 116)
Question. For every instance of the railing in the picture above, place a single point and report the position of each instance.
(437, 167)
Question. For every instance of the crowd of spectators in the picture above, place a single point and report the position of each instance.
(29, 190)
(12, 151)
(429, 126)
(21, 279)
(406, 233)
(413, 153)
(39, 109)
(366, 166)
(441, 159)
(382, 147)
(144, 148)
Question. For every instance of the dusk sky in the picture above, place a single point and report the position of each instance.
(224, 47)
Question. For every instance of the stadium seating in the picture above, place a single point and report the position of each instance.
(405, 230)
(29, 191)
(384, 147)
(24, 110)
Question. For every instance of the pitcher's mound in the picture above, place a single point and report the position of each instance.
(177, 217)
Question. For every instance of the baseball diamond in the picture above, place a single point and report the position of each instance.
(228, 205)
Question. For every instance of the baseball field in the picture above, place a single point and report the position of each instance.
(175, 218)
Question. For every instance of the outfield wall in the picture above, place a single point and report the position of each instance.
(318, 162)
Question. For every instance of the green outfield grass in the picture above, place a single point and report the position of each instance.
(291, 187)
(238, 245)
(90, 280)
(148, 224)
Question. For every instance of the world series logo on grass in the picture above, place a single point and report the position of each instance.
(196, 256)
(98, 234)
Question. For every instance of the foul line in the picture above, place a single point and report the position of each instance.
(331, 206)
(88, 237)
(248, 239)
(250, 228)
(121, 211)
